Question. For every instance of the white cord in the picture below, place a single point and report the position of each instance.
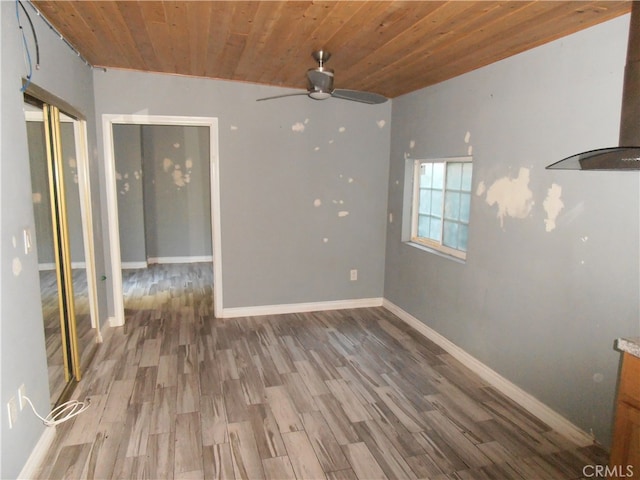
(70, 409)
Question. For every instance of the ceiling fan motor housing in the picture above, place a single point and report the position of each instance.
(320, 79)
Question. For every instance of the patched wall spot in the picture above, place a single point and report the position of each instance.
(36, 197)
(16, 266)
(412, 143)
(552, 205)
(343, 213)
(317, 202)
(381, 123)
(233, 128)
(481, 188)
(298, 127)
(178, 178)
(467, 137)
(342, 129)
(512, 196)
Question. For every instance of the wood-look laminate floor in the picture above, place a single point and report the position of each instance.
(349, 394)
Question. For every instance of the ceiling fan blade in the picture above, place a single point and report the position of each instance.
(359, 96)
(282, 96)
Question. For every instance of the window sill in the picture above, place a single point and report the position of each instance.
(434, 251)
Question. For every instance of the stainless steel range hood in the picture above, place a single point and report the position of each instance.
(627, 155)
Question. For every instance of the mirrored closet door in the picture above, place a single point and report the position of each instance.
(70, 336)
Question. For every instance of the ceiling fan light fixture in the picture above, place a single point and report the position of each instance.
(319, 95)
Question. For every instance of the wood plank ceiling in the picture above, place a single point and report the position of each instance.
(388, 47)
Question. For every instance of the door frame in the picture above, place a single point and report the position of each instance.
(108, 120)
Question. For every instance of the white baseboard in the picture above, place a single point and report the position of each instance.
(196, 259)
(133, 265)
(300, 307)
(103, 331)
(38, 454)
(52, 266)
(113, 322)
(534, 406)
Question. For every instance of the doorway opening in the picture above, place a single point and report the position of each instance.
(162, 176)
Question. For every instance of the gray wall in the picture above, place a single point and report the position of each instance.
(543, 294)
(164, 192)
(278, 159)
(163, 185)
(22, 356)
(127, 151)
(177, 200)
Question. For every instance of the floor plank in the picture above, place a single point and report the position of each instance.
(303, 459)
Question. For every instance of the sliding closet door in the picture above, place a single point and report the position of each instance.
(59, 238)
(61, 241)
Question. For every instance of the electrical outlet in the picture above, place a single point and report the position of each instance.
(12, 411)
(22, 392)
(354, 275)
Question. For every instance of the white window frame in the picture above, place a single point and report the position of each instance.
(415, 206)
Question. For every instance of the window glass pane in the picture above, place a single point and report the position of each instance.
(454, 175)
(436, 203)
(443, 203)
(423, 226)
(463, 237)
(425, 200)
(426, 174)
(434, 228)
(450, 234)
(467, 169)
(452, 205)
(438, 175)
(465, 206)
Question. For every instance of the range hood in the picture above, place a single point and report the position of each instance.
(627, 155)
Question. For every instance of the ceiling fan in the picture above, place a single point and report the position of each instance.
(320, 85)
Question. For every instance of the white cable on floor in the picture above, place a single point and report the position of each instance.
(70, 409)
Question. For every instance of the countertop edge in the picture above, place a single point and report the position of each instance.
(629, 345)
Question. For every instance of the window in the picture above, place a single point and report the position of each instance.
(441, 204)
